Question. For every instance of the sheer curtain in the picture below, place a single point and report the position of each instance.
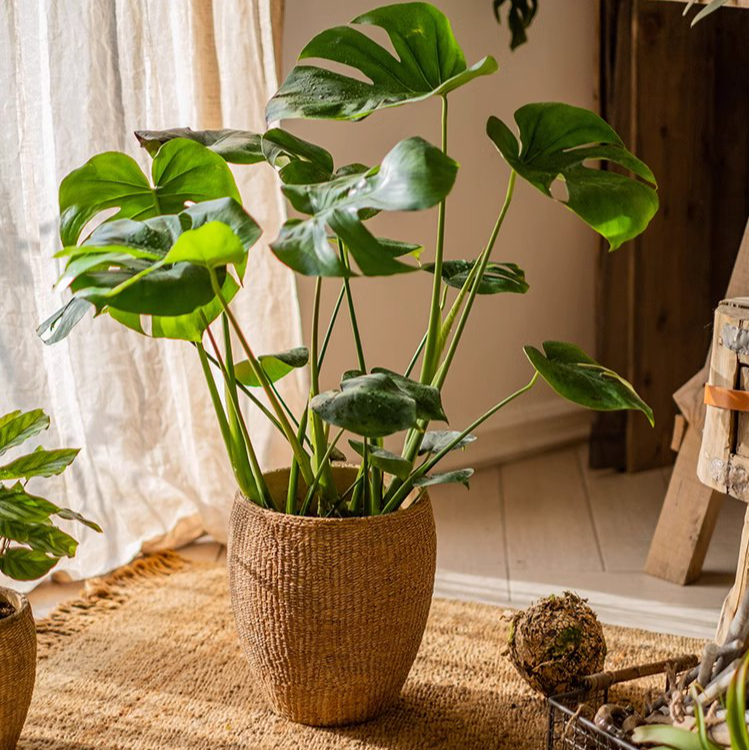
(76, 78)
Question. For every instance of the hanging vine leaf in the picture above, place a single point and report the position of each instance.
(275, 366)
(413, 176)
(580, 379)
(429, 63)
(519, 17)
(498, 277)
(558, 141)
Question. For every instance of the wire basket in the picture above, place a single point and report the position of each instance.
(570, 730)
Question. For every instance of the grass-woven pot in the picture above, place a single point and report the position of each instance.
(17, 667)
(330, 612)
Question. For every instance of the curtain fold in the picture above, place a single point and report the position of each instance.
(76, 78)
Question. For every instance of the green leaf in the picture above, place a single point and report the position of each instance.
(580, 379)
(17, 505)
(275, 366)
(413, 176)
(429, 62)
(460, 476)
(41, 536)
(211, 246)
(519, 17)
(280, 148)
(71, 515)
(182, 171)
(428, 399)
(61, 323)
(558, 141)
(368, 405)
(437, 440)
(707, 10)
(177, 298)
(235, 146)
(40, 463)
(498, 277)
(15, 428)
(736, 708)
(667, 736)
(390, 463)
(25, 564)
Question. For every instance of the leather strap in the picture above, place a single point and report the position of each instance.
(726, 398)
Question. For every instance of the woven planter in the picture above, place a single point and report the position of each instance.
(17, 667)
(330, 612)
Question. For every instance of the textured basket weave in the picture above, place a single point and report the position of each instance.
(17, 667)
(330, 612)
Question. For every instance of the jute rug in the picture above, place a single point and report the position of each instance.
(148, 658)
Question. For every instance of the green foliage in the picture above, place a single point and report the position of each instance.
(429, 63)
(520, 15)
(171, 258)
(580, 379)
(711, 7)
(30, 543)
(559, 141)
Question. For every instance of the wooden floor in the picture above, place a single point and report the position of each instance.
(547, 524)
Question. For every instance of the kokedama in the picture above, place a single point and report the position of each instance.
(171, 259)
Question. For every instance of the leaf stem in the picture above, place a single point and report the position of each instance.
(301, 455)
(429, 363)
(316, 481)
(398, 497)
(329, 331)
(439, 379)
(352, 311)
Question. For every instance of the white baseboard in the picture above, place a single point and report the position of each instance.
(645, 614)
(525, 432)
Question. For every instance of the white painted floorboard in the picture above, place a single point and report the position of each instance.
(546, 524)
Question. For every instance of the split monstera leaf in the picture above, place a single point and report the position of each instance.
(30, 542)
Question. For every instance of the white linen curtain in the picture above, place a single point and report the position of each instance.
(76, 78)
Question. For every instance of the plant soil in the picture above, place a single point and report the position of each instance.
(6, 610)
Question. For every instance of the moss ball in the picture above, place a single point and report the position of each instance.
(555, 642)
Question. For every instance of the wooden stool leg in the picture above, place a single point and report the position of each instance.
(687, 520)
(739, 587)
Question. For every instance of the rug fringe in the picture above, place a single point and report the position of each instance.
(102, 595)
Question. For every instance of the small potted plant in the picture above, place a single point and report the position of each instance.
(331, 566)
(30, 546)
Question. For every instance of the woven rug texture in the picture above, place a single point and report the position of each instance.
(148, 658)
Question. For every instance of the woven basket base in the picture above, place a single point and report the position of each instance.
(149, 659)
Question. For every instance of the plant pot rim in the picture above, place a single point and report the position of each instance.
(414, 505)
(16, 600)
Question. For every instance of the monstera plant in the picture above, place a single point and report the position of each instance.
(169, 261)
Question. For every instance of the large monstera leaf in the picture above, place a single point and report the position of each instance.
(429, 62)
(414, 175)
(235, 146)
(580, 379)
(558, 141)
(183, 170)
(160, 268)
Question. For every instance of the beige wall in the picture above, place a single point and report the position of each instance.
(557, 252)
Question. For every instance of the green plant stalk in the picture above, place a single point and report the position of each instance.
(294, 472)
(429, 363)
(394, 502)
(422, 343)
(367, 490)
(316, 481)
(246, 445)
(439, 379)
(301, 455)
(230, 385)
(319, 436)
(351, 309)
(329, 331)
(343, 496)
(251, 491)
